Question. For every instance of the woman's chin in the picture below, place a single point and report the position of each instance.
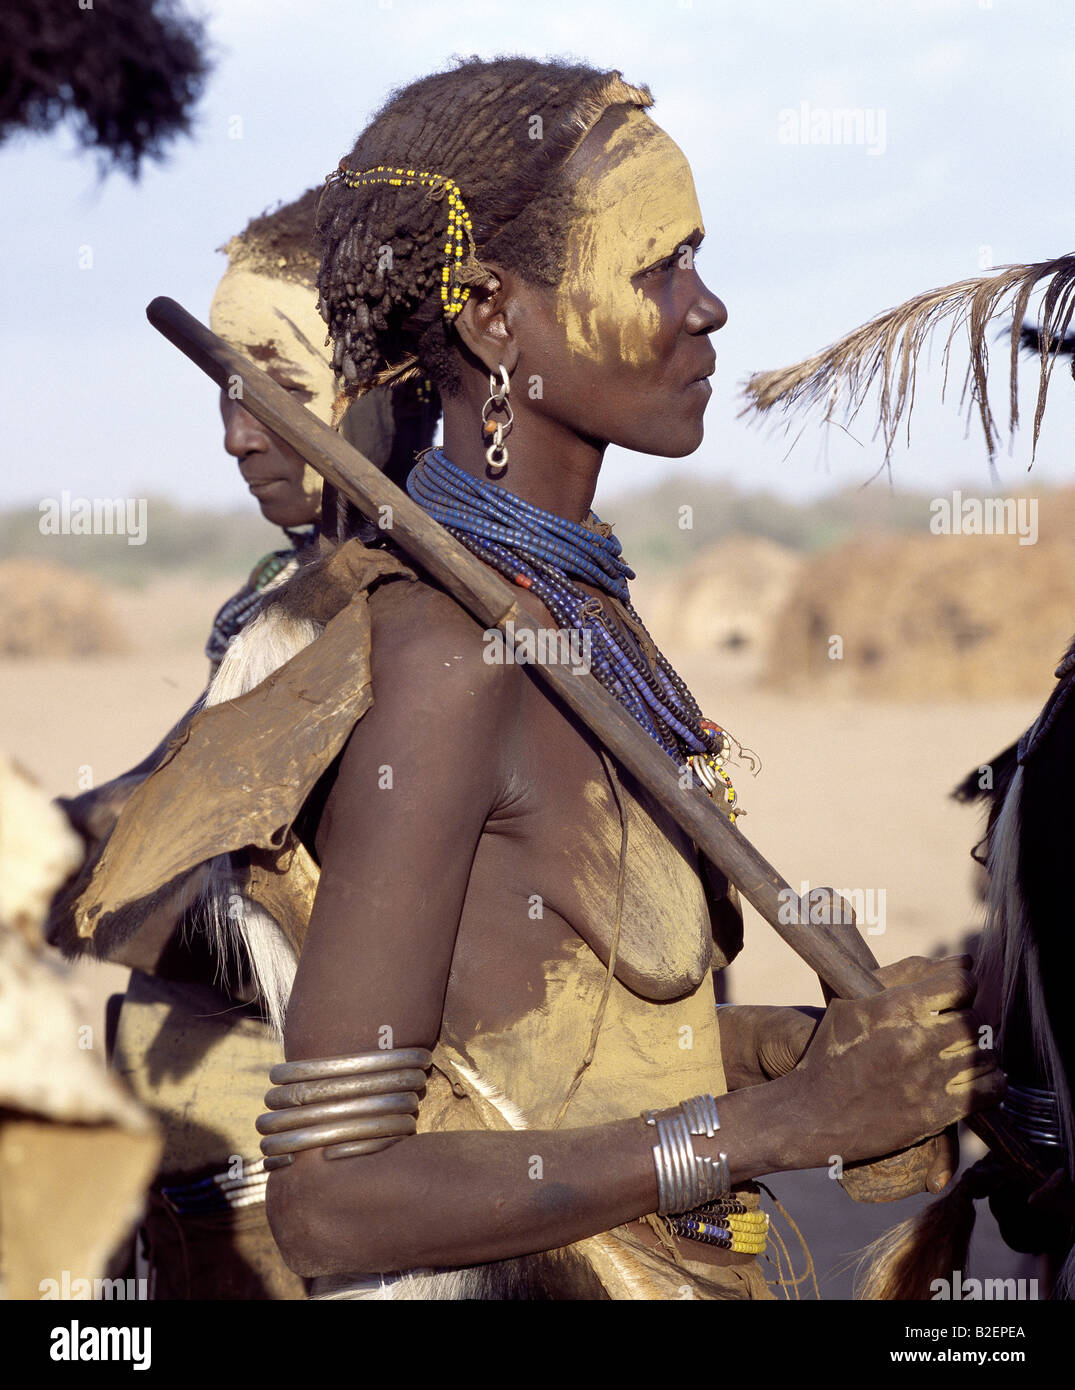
(678, 443)
(284, 514)
(672, 437)
(684, 451)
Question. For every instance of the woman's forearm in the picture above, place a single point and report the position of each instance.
(443, 1200)
(880, 1075)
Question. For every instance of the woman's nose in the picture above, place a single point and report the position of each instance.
(242, 433)
(708, 313)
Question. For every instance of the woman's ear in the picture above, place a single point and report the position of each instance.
(484, 323)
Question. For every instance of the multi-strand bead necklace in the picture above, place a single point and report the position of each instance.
(548, 555)
(241, 607)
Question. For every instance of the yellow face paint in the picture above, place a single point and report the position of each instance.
(276, 325)
(635, 208)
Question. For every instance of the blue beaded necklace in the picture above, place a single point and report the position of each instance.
(548, 554)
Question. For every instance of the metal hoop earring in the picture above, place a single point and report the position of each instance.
(496, 456)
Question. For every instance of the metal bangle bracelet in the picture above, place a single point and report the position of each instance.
(1049, 1137)
(667, 1190)
(361, 1146)
(701, 1115)
(1041, 1103)
(344, 1088)
(350, 1150)
(702, 1118)
(685, 1179)
(718, 1176)
(300, 1116)
(315, 1136)
(706, 1177)
(663, 1171)
(678, 1164)
(321, 1068)
(1034, 1112)
(672, 1130)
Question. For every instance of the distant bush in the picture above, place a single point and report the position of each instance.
(45, 610)
(648, 521)
(212, 544)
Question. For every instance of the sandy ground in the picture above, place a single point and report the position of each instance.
(852, 795)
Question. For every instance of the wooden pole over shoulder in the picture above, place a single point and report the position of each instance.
(492, 601)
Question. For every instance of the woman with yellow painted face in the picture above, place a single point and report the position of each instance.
(188, 1037)
(505, 1065)
(266, 308)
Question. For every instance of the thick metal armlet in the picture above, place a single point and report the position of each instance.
(345, 1106)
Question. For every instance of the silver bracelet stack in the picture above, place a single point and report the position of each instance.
(346, 1105)
(686, 1180)
(1035, 1113)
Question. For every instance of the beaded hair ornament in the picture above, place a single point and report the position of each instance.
(453, 293)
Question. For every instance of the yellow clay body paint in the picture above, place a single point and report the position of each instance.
(638, 207)
(275, 323)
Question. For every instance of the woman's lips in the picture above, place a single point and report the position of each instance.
(702, 379)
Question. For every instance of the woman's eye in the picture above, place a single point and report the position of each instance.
(659, 268)
(682, 258)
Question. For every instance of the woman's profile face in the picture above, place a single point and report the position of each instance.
(274, 323)
(627, 352)
(287, 489)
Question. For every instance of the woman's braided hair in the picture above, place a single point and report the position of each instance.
(502, 130)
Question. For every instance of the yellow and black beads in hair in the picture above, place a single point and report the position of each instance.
(453, 295)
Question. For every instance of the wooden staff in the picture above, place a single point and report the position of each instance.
(491, 600)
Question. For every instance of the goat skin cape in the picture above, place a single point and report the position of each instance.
(198, 802)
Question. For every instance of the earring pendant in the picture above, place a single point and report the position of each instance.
(496, 455)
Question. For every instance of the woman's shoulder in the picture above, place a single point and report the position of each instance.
(428, 650)
(424, 620)
(442, 718)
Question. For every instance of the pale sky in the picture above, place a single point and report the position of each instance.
(965, 162)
